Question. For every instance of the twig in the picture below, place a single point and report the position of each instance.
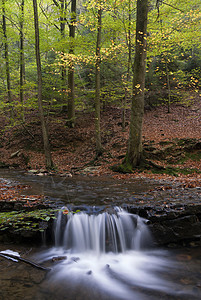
(28, 131)
(7, 256)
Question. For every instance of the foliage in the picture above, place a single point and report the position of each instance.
(174, 37)
(174, 48)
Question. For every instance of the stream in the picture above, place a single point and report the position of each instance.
(101, 252)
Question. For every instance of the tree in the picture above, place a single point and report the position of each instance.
(174, 34)
(71, 80)
(134, 153)
(128, 67)
(22, 63)
(97, 84)
(6, 54)
(49, 163)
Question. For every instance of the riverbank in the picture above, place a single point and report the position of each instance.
(172, 141)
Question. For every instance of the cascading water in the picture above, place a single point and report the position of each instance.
(105, 232)
(106, 256)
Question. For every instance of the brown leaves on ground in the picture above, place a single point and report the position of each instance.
(13, 193)
(73, 149)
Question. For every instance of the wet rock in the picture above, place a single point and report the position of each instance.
(89, 272)
(58, 258)
(173, 223)
(173, 231)
(33, 171)
(75, 259)
(40, 174)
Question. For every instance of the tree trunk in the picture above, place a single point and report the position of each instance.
(134, 152)
(168, 85)
(71, 81)
(97, 82)
(22, 63)
(125, 99)
(49, 163)
(63, 68)
(6, 55)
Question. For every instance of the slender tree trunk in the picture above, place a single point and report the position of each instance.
(168, 85)
(49, 163)
(22, 63)
(128, 68)
(134, 152)
(97, 82)
(63, 68)
(6, 54)
(71, 81)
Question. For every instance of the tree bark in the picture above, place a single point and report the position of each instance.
(125, 99)
(134, 152)
(62, 30)
(71, 81)
(97, 82)
(22, 62)
(168, 85)
(6, 54)
(49, 163)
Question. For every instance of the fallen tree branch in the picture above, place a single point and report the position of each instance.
(7, 256)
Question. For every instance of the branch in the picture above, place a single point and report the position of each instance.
(28, 131)
(44, 13)
(158, 2)
(7, 256)
(174, 7)
(56, 3)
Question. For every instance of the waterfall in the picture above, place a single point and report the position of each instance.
(115, 232)
(105, 255)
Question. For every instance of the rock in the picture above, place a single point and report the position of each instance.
(33, 171)
(17, 153)
(173, 223)
(91, 169)
(58, 258)
(176, 230)
(66, 175)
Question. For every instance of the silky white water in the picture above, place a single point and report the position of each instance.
(107, 255)
(118, 231)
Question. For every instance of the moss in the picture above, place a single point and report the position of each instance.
(126, 167)
(31, 220)
(175, 171)
(162, 143)
(185, 141)
(122, 168)
(195, 155)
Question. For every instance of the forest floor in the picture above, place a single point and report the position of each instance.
(172, 141)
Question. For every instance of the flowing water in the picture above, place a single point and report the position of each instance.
(107, 255)
(102, 252)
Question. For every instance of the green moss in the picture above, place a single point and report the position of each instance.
(195, 155)
(175, 171)
(184, 141)
(162, 143)
(29, 220)
(122, 168)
